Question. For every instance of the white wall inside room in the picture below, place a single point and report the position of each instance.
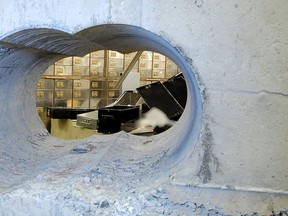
(131, 82)
(239, 53)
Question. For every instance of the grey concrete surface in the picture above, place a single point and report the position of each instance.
(237, 166)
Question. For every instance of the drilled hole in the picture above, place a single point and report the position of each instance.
(26, 146)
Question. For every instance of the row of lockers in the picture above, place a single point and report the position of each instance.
(102, 70)
(73, 98)
(149, 65)
(74, 93)
(73, 84)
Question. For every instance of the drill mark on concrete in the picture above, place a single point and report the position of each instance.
(4, 50)
(37, 138)
(205, 172)
(146, 142)
(199, 3)
(83, 149)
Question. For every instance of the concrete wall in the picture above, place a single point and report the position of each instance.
(238, 51)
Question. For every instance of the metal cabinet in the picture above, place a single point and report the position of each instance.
(89, 82)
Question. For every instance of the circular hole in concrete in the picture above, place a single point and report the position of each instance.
(27, 148)
(78, 97)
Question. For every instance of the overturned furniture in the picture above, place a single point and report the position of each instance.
(169, 97)
(110, 118)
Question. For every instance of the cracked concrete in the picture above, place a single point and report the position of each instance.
(208, 157)
(251, 92)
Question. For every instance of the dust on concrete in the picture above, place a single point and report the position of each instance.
(205, 172)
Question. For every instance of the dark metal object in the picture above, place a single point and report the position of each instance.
(65, 113)
(157, 95)
(110, 118)
(169, 96)
(176, 85)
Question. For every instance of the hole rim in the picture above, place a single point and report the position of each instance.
(190, 119)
